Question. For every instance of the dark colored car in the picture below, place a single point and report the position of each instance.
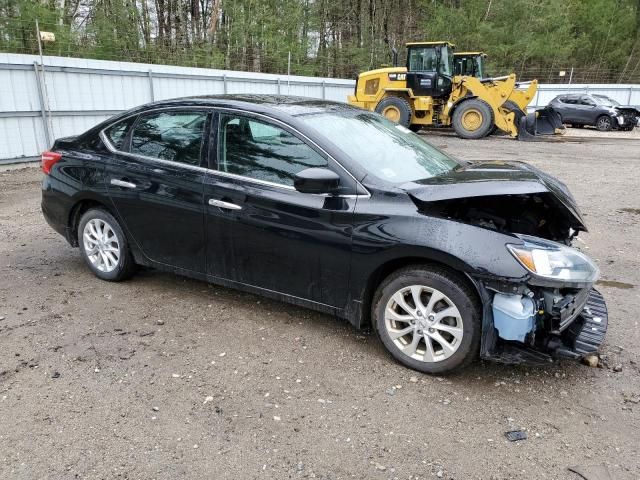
(333, 208)
(599, 111)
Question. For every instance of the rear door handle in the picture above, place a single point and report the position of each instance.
(122, 183)
(225, 205)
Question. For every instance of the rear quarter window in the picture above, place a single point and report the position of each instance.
(117, 133)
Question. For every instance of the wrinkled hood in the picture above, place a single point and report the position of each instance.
(495, 179)
(626, 108)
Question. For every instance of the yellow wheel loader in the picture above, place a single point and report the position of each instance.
(427, 92)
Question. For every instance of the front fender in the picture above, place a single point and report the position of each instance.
(378, 240)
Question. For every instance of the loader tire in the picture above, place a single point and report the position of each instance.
(473, 119)
(396, 109)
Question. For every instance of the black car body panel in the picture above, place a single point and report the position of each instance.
(326, 252)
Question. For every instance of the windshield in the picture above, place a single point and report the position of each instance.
(383, 148)
(422, 59)
(604, 100)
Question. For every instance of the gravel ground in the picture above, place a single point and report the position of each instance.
(166, 377)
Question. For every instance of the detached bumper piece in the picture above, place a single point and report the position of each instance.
(585, 335)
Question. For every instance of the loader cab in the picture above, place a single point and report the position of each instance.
(470, 64)
(430, 68)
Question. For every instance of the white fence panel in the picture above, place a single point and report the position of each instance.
(75, 94)
(80, 93)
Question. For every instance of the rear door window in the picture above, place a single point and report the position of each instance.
(174, 135)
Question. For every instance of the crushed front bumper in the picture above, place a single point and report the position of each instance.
(581, 337)
(585, 335)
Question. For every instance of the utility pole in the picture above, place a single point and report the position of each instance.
(48, 125)
(289, 75)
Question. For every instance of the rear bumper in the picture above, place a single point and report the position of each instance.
(54, 209)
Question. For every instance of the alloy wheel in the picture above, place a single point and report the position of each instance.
(604, 123)
(423, 323)
(101, 245)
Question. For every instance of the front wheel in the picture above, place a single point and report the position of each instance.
(604, 123)
(104, 247)
(428, 319)
(473, 119)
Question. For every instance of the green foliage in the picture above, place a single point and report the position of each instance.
(599, 39)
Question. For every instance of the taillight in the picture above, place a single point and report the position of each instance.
(49, 159)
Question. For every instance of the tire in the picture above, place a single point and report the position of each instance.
(604, 123)
(415, 128)
(473, 119)
(396, 109)
(388, 316)
(100, 232)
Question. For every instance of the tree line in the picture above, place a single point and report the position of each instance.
(598, 39)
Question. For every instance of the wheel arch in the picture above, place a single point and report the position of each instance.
(446, 262)
(607, 115)
(77, 210)
(459, 102)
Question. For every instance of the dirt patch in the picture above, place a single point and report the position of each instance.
(165, 377)
(614, 284)
(635, 211)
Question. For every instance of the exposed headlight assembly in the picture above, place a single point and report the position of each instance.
(554, 261)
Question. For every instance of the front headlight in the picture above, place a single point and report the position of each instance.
(554, 261)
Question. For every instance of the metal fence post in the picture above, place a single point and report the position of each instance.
(630, 95)
(278, 85)
(151, 93)
(224, 83)
(43, 106)
(324, 94)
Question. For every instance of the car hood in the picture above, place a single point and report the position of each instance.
(626, 107)
(496, 178)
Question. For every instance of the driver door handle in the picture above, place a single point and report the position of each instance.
(122, 183)
(224, 205)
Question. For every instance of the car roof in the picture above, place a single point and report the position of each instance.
(289, 104)
(281, 107)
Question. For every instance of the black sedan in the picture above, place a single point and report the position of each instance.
(336, 209)
(599, 111)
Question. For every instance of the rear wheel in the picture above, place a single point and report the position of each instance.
(428, 318)
(473, 119)
(415, 128)
(104, 247)
(396, 109)
(604, 123)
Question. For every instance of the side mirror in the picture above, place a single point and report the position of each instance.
(316, 180)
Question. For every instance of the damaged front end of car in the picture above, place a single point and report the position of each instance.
(550, 312)
(554, 312)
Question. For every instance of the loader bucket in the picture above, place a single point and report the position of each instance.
(545, 121)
